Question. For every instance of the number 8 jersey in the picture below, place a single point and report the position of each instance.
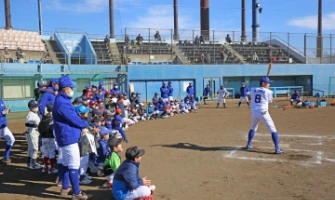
(261, 97)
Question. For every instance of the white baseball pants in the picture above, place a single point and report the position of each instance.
(32, 138)
(71, 156)
(244, 98)
(8, 135)
(221, 99)
(48, 147)
(142, 191)
(170, 98)
(265, 117)
(83, 164)
(165, 99)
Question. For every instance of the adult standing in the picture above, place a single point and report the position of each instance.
(68, 126)
(190, 89)
(207, 93)
(5, 132)
(165, 92)
(170, 91)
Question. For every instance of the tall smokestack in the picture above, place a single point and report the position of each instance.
(111, 19)
(255, 20)
(319, 40)
(39, 16)
(7, 15)
(243, 24)
(204, 18)
(175, 8)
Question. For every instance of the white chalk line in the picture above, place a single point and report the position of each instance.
(318, 157)
(312, 144)
(285, 135)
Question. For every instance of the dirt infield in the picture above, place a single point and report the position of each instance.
(199, 156)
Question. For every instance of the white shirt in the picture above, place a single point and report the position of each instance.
(126, 102)
(222, 93)
(92, 142)
(261, 97)
(33, 118)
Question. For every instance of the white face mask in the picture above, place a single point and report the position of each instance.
(71, 94)
(35, 109)
(116, 87)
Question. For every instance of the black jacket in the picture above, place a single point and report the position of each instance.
(46, 126)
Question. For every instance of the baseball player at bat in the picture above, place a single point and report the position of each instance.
(244, 95)
(67, 127)
(222, 93)
(261, 97)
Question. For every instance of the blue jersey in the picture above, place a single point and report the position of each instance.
(295, 96)
(170, 90)
(207, 91)
(3, 119)
(165, 92)
(190, 90)
(244, 91)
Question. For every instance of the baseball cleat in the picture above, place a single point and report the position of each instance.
(85, 182)
(64, 193)
(36, 166)
(279, 151)
(44, 170)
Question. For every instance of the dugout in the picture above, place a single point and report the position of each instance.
(286, 84)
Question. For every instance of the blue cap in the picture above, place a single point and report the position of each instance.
(89, 86)
(115, 84)
(81, 109)
(101, 83)
(243, 83)
(160, 98)
(170, 81)
(265, 80)
(104, 131)
(84, 98)
(164, 83)
(78, 100)
(32, 103)
(65, 81)
(94, 125)
(53, 81)
(41, 84)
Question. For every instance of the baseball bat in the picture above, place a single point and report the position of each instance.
(269, 69)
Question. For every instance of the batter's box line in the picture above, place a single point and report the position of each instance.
(317, 154)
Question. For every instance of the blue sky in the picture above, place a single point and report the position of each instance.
(298, 16)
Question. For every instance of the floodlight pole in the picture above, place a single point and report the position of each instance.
(8, 15)
(39, 16)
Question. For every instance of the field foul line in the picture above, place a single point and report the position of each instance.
(285, 135)
(313, 144)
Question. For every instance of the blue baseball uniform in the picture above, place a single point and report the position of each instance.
(5, 132)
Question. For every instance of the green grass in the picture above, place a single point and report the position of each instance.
(17, 115)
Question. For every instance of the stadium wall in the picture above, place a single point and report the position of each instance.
(19, 80)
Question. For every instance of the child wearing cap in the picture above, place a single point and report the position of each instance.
(117, 124)
(48, 148)
(113, 160)
(32, 134)
(85, 147)
(103, 150)
(150, 111)
(127, 184)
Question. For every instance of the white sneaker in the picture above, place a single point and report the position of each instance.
(88, 177)
(44, 170)
(100, 173)
(85, 182)
(53, 171)
(152, 187)
(36, 166)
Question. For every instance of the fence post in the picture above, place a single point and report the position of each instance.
(288, 45)
(305, 48)
(149, 47)
(193, 46)
(270, 38)
(214, 46)
(171, 44)
(233, 37)
(330, 50)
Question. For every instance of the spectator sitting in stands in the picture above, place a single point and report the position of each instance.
(19, 55)
(139, 39)
(197, 41)
(126, 40)
(158, 37)
(5, 55)
(254, 58)
(106, 40)
(202, 39)
(46, 58)
(228, 39)
(230, 55)
(202, 58)
(133, 46)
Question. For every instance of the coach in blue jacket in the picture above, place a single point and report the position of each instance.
(190, 89)
(67, 127)
(47, 97)
(127, 184)
(165, 92)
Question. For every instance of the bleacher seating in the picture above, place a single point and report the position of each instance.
(30, 42)
(102, 53)
(211, 51)
(147, 48)
(54, 47)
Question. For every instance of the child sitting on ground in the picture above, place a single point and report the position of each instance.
(103, 150)
(150, 111)
(113, 160)
(127, 184)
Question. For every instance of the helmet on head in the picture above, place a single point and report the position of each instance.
(32, 103)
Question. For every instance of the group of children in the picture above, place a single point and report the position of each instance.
(109, 114)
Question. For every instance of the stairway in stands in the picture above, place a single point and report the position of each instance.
(102, 53)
